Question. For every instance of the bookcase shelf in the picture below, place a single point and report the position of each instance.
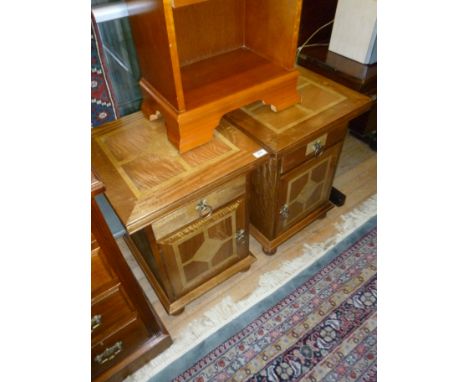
(229, 73)
(200, 59)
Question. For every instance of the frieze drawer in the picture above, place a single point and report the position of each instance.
(313, 148)
(199, 207)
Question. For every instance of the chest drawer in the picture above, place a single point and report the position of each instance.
(313, 148)
(109, 311)
(102, 275)
(118, 346)
(199, 207)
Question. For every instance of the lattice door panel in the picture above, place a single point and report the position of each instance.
(306, 188)
(205, 248)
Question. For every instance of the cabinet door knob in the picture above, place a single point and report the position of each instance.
(204, 209)
(284, 211)
(109, 353)
(240, 235)
(96, 322)
(318, 148)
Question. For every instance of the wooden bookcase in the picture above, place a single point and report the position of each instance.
(200, 59)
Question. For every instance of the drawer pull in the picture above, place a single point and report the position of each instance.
(96, 322)
(284, 211)
(240, 235)
(204, 209)
(109, 353)
(318, 148)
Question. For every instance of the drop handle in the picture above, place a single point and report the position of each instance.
(110, 353)
(204, 209)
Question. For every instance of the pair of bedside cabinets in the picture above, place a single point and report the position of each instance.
(188, 215)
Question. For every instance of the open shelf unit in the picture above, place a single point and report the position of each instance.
(203, 58)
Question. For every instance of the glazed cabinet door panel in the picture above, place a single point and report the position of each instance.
(306, 188)
(205, 247)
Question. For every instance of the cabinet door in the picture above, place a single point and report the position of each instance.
(305, 188)
(205, 247)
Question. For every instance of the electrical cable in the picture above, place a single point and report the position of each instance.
(317, 44)
(304, 45)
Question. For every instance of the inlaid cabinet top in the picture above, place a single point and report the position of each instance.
(145, 175)
(324, 104)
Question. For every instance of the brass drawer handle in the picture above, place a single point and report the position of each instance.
(204, 209)
(284, 211)
(96, 322)
(110, 353)
(318, 148)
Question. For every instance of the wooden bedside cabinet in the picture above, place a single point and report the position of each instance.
(186, 214)
(304, 143)
(125, 330)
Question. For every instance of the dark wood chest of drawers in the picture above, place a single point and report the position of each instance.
(125, 330)
(186, 214)
(304, 143)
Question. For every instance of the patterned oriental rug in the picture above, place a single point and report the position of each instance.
(320, 326)
(102, 101)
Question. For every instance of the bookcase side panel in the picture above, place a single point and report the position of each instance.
(271, 29)
(155, 42)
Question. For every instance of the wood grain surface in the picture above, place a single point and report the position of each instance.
(271, 29)
(202, 59)
(121, 313)
(305, 188)
(208, 29)
(145, 175)
(292, 190)
(153, 31)
(325, 104)
(356, 176)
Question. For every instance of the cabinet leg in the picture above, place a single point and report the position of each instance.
(321, 217)
(337, 197)
(269, 252)
(245, 269)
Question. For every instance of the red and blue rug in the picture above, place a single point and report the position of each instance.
(320, 326)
